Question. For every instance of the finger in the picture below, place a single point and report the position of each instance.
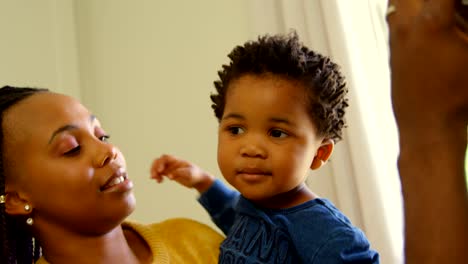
(156, 168)
(173, 165)
(156, 176)
(161, 166)
(179, 174)
(165, 163)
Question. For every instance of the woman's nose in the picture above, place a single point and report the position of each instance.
(107, 153)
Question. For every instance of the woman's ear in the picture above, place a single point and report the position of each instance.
(323, 153)
(15, 205)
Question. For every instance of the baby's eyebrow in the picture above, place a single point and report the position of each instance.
(280, 120)
(68, 128)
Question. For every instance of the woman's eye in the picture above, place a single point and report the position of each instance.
(236, 130)
(73, 151)
(278, 133)
(104, 138)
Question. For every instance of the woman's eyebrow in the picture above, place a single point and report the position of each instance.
(68, 128)
(61, 130)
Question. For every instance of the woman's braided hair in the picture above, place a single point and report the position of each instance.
(18, 244)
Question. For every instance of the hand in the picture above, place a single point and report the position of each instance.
(181, 171)
(429, 65)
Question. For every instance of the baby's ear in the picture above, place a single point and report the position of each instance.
(323, 153)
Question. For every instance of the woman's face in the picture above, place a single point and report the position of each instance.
(58, 160)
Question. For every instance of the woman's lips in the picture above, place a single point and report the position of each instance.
(118, 181)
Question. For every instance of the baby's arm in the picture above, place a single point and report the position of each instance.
(217, 199)
(181, 171)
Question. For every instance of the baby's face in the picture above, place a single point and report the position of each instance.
(266, 140)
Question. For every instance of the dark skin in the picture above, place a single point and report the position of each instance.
(429, 59)
(63, 153)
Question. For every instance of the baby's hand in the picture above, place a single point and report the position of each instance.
(181, 171)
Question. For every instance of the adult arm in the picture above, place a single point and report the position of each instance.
(429, 67)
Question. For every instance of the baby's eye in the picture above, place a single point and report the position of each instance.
(276, 133)
(235, 130)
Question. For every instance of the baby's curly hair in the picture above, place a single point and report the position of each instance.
(286, 57)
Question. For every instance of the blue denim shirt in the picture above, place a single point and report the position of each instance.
(312, 232)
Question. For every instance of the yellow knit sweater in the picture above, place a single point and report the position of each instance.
(177, 241)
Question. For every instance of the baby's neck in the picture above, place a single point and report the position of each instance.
(294, 197)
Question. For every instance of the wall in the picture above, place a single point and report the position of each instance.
(38, 46)
(147, 69)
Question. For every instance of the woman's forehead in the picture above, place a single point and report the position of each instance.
(42, 113)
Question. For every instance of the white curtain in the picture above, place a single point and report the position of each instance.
(362, 177)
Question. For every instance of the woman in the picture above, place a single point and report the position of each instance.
(64, 189)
